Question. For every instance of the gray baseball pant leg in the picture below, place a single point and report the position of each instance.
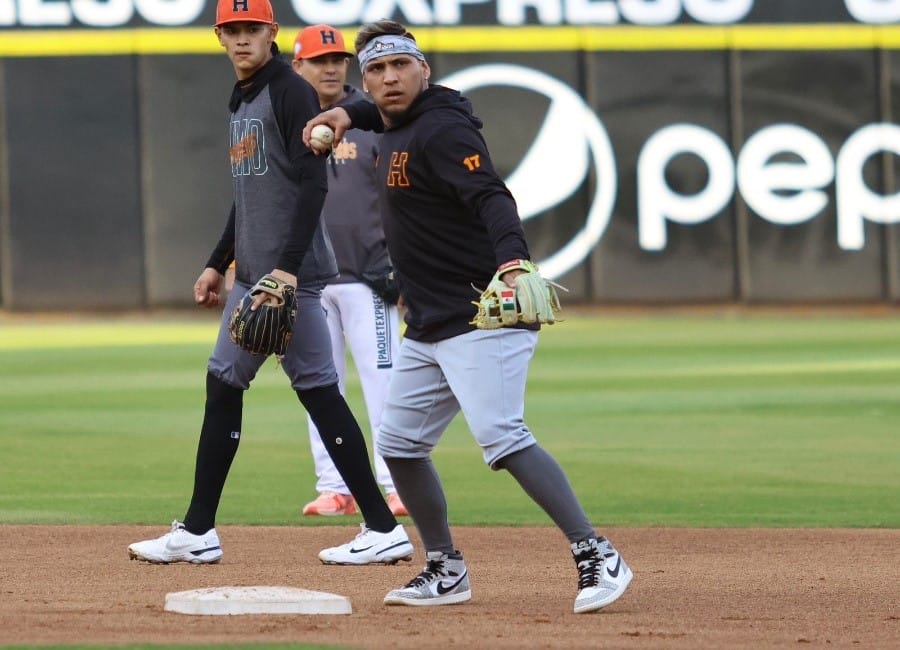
(418, 409)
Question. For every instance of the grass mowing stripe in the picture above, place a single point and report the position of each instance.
(658, 420)
(80, 335)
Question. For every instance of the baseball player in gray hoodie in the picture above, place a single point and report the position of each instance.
(274, 227)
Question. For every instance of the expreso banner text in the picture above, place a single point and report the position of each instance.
(182, 13)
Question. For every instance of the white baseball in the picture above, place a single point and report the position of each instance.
(321, 137)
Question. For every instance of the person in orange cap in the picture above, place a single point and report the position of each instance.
(360, 305)
(275, 231)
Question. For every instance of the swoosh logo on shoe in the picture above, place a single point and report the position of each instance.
(614, 573)
(392, 547)
(205, 550)
(360, 550)
(443, 588)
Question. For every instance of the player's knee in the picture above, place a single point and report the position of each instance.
(391, 445)
(220, 393)
(320, 399)
(500, 460)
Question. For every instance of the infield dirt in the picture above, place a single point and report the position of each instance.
(693, 588)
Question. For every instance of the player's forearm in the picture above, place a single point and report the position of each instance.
(504, 228)
(223, 253)
(364, 115)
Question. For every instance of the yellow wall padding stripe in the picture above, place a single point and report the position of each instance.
(201, 40)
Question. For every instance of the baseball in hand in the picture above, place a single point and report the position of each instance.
(321, 137)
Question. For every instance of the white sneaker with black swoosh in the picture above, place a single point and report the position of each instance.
(444, 581)
(603, 575)
(371, 547)
(178, 545)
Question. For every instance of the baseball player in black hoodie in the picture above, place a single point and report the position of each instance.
(451, 224)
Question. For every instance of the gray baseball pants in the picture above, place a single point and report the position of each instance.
(482, 373)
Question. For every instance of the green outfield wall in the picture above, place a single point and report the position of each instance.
(660, 151)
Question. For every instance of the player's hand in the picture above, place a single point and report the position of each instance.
(510, 277)
(336, 118)
(208, 288)
(283, 276)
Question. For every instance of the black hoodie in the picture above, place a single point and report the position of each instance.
(449, 219)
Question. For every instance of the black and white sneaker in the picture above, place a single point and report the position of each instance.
(603, 575)
(443, 581)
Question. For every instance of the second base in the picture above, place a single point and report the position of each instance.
(218, 601)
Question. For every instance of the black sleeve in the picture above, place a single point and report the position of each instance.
(364, 116)
(223, 253)
(459, 156)
(294, 103)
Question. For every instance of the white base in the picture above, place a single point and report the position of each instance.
(218, 601)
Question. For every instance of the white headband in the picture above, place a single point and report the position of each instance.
(388, 46)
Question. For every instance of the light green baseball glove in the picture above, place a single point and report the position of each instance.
(533, 300)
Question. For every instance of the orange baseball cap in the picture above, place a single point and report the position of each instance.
(318, 40)
(246, 11)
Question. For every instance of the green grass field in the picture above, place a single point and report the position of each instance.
(658, 420)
